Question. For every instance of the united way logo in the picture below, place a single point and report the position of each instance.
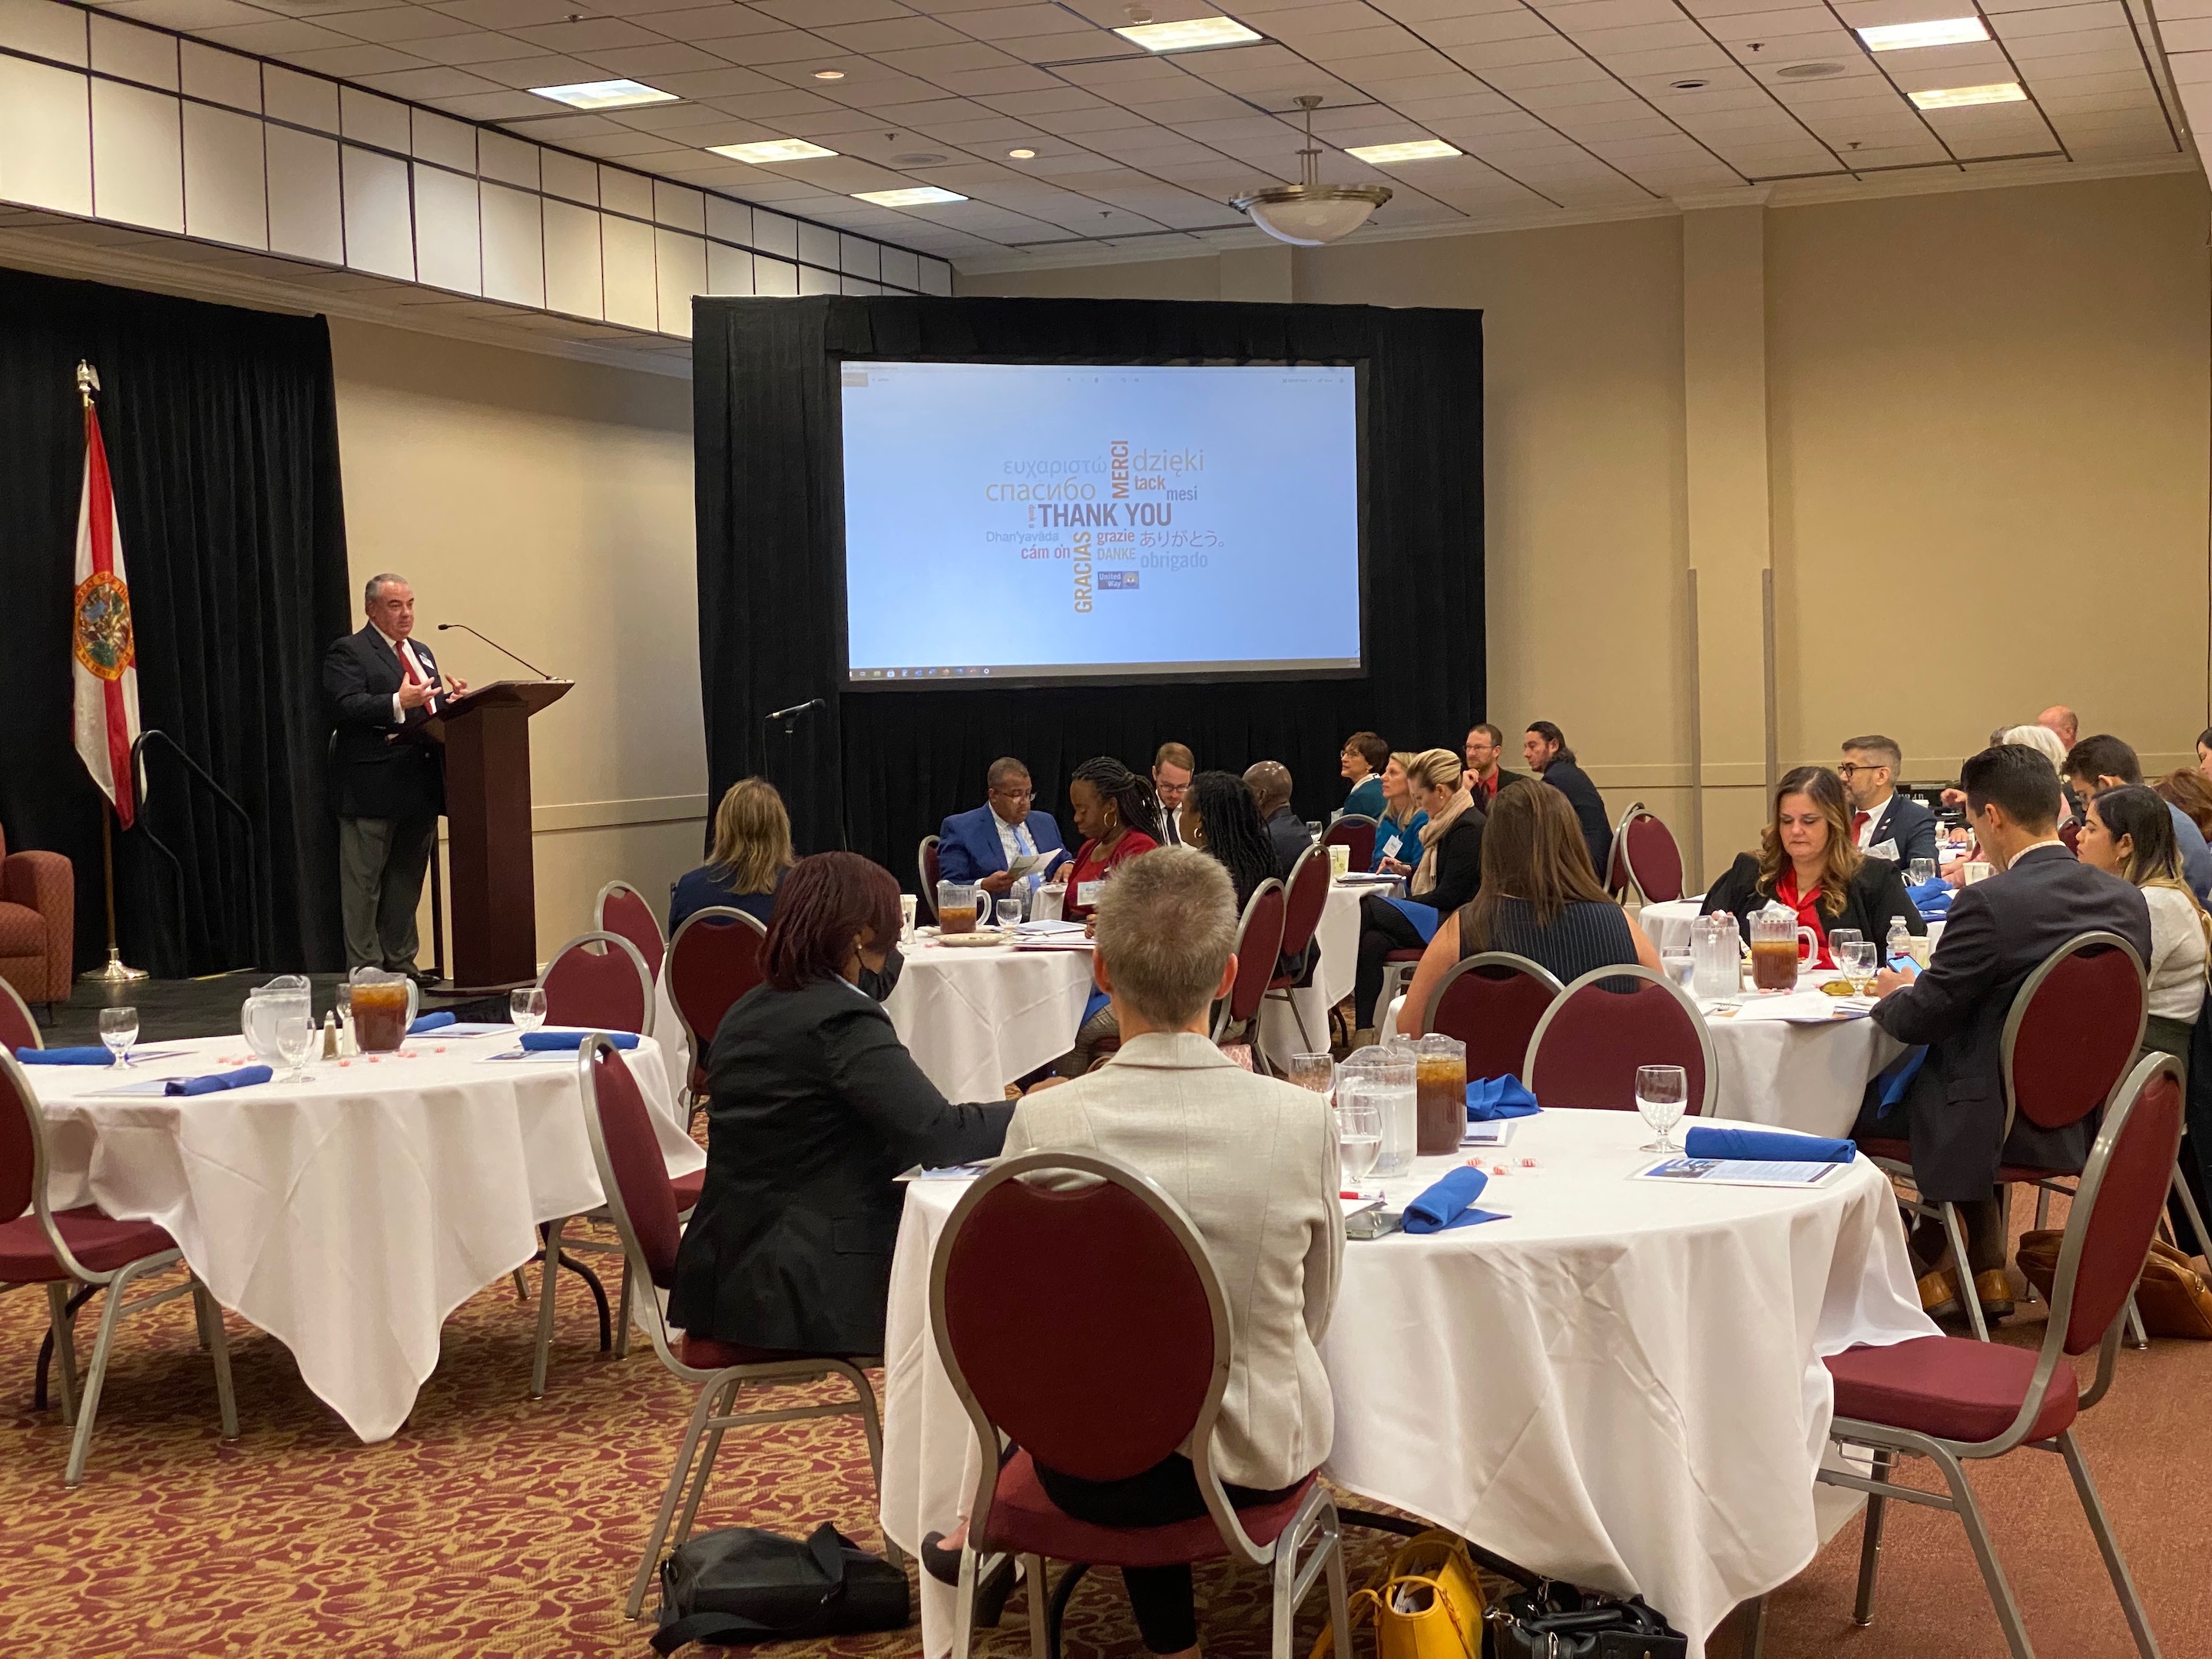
(103, 645)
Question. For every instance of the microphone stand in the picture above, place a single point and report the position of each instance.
(789, 717)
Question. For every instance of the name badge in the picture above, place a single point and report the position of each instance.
(1086, 893)
(1390, 847)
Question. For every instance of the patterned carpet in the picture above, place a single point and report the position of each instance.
(497, 1526)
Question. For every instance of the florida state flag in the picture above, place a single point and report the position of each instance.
(106, 665)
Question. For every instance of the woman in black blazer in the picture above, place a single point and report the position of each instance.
(1446, 877)
(815, 1106)
(1809, 862)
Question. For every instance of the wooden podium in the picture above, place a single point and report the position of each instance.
(494, 901)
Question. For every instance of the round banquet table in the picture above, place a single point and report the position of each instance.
(1617, 1384)
(1668, 925)
(975, 1018)
(348, 1214)
(1281, 1033)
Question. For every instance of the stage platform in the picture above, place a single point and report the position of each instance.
(171, 1008)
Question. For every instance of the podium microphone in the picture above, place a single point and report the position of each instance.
(496, 646)
(796, 709)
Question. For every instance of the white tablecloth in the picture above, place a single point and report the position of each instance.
(1619, 1385)
(976, 1019)
(1339, 938)
(347, 1215)
(1809, 1078)
(1668, 926)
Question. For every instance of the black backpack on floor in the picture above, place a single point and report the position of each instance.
(740, 1584)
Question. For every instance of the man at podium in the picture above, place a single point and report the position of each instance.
(382, 686)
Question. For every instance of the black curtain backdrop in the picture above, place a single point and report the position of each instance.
(882, 768)
(222, 433)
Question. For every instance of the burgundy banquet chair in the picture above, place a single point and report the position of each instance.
(17, 1029)
(68, 1247)
(1076, 1310)
(1259, 942)
(925, 864)
(1587, 1048)
(1491, 1001)
(597, 982)
(645, 1209)
(715, 959)
(1357, 832)
(1954, 1400)
(2069, 1038)
(1617, 877)
(623, 909)
(1649, 857)
(1304, 898)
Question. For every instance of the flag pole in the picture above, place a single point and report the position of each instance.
(116, 971)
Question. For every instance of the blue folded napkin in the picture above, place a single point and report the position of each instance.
(1424, 917)
(65, 1056)
(429, 1022)
(1929, 890)
(244, 1078)
(1764, 1146)
(1451, 1203)
(1898, 1077)
(553, 1041)
(1490, 1098)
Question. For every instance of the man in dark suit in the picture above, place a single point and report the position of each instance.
(1999, 931)
(381, 685)
(1485, 745)
(1545, 748)
(977, 846)
(1888, 825)
(1270, 784)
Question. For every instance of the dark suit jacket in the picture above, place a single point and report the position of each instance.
(1571, 780)
(815, 1106)
(1997, 932)
(1505, 780)
(1459, 863)
(1286, 833)
(968, 845)
(707, 889)
(1876, 894)
(1908, 824)
(384, 770)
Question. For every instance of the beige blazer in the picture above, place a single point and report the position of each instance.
(1253, 1163)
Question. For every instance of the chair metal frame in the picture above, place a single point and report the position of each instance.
(1954, 1232)
(924, 878)
(1887, 1443)
(1315, 854)
(714, 1413)
(1620, 839)
(1222, 1020)
(1474, 964)
(207, 1314)
(1703, 1106)
(1374, 827)
(1616, 856)
(599, 917)
(1315, 1521)
(601, 936)
(30, 1021)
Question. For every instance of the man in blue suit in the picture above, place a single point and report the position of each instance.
(1880, 818)
(977, 846)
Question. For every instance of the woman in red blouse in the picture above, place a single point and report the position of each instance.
(1117, 815)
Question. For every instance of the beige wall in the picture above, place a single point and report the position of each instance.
(1986, 422)
(548, 502)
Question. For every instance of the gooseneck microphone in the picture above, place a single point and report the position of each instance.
(496, 646)
(796, 709)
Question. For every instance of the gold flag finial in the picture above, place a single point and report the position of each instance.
(87, 382)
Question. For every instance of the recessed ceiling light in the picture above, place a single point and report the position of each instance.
(1686, 86)
(917, 195)
(1938, 32)
(1418, 149)
(1190, 35)
(772, 149)
(1808, 71)
(919, 158)
(828, 74)
(605, 94)
(1021, 156)
(2002, 92)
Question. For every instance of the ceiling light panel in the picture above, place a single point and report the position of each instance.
(1193, 35)
(605, 94)
(917, 195)
(1419, 149)
(772, 149)
(2001, 92)
(1938, 32)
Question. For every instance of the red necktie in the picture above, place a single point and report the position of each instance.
(407, 664)
(1858, 822)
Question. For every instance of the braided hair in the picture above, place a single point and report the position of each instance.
(1132, 794)
(1229, 820)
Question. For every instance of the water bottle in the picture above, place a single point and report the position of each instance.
(1899, 945)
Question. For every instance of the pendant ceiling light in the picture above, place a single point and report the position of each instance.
(1310, 214)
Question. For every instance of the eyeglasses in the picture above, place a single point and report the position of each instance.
(1850, 769)
(1013, 794)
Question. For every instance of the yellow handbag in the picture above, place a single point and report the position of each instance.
(1427, 1604)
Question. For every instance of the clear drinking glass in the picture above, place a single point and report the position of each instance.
(118, 1029)
(525, 1006)
(1010, 910)
(1838, 938)
(1680, 963)
(295, 1041)
(1856, 960)
(1314, 1072)
(1663, 1094)
(1358, 1139)
(1920, 872)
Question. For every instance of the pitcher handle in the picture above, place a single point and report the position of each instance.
(1808, 947)
(414, 1002)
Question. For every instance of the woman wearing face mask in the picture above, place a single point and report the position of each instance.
(816, 1105)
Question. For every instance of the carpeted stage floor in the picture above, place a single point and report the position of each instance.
(495, 1527)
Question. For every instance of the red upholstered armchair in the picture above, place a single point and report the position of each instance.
(38, 923)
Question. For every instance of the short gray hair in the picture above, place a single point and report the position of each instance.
(1167, 922)
(1874, 744)
(368, 588)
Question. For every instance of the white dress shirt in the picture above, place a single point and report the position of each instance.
(1015, 840)
(404, 650)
